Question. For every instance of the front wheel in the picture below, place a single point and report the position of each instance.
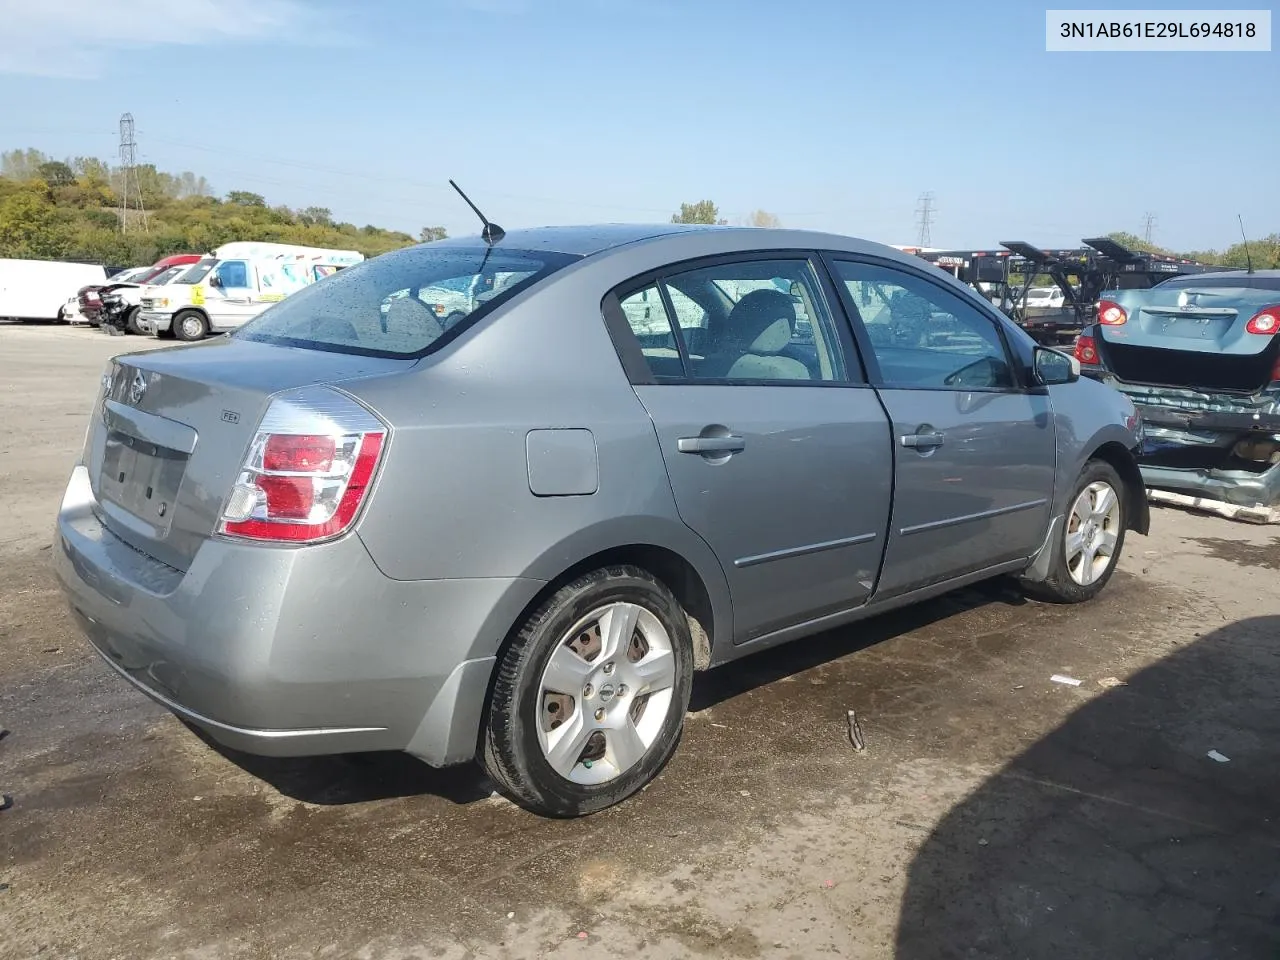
(131, 322)
(1087, 549)
(190, 325)
(590, 694)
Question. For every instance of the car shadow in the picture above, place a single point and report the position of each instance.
(769, 666)
(1119, 834)
(358, 777)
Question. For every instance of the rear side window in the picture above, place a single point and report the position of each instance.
(404, 303)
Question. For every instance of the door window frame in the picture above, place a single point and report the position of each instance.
(826, 297)
(871, 363)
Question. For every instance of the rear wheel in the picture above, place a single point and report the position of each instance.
(131, 322)
(190, 325)
(590, 694)
(1086, 551)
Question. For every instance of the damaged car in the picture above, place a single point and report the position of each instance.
(1200, 358)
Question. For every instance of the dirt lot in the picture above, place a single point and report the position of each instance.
(994, 813)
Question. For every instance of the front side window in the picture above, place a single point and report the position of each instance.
(402, 303)
(755, 320)
(923, 335)
(234, 274)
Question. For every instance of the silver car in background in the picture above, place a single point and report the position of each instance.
(516, 536)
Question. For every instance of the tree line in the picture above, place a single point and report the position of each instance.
(70, 210)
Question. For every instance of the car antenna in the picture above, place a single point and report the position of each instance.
(1248, 258)
(491, 233)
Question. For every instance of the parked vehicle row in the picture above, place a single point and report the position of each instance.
(512, 522)
(104, 304)
(222, 292)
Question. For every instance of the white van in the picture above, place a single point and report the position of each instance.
(41, 289)
(232, 286)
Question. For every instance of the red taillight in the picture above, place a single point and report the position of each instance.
(304, 454)
(299, 484)
(1111, 313)
(1265, 322)
(1086, 350)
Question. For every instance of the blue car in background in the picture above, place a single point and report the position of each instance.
(1200, 357)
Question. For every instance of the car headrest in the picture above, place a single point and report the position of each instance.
(762, 321)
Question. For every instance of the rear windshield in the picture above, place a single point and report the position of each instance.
(1241, 280)
(402, 303)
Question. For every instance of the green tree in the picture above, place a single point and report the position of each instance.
(317, 216)
(243, 198)
(30, 228)
(1134, 242)
(431, 234)
(57, 174)
(704, 211)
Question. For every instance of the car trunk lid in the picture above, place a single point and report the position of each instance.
(1193, 337)
(166, 444)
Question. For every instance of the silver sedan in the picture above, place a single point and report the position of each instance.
(515, 528)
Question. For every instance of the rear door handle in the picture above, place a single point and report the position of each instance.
(923, 441)
(711, 444)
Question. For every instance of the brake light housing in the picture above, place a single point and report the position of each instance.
(1111, 314)
(308, 471)
(1087, 350)
(1265, 322)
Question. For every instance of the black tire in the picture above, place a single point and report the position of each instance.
(1060, 586)
(182, 316)
(510, 749)
(131, 322)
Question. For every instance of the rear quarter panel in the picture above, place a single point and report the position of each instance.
(453, 499)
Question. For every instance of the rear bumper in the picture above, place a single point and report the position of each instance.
(290, 652)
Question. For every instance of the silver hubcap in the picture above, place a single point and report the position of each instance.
(605, 693)
(1093, 527)
(191, 327)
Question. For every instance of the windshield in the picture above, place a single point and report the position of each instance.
(166, 275)
(402, 303)
(197, 272)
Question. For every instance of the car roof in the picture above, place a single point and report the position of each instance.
(582, 241)
(591, 240)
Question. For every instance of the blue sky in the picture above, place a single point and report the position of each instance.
(833, 115)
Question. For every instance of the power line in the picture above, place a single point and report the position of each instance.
(131, 187)
(925, 213)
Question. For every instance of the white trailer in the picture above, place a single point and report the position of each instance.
(40, 289)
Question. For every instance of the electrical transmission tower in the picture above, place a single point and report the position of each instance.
(1149, 221)
(131, 205)
(924, 218)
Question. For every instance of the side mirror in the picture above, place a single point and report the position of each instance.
(215, 281)
(1054, 367)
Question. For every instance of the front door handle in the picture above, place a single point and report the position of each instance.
(923, 441)
(728, 444)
